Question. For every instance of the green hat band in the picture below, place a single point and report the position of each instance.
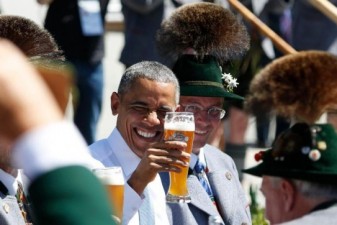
(302, 152)
(201, 77)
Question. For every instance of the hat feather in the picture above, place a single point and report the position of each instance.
(301, 86)
(207, 28)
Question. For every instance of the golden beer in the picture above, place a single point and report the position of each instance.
(179, 126)
(116, 197)
(113, 180)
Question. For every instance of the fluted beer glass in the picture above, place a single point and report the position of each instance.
(113, 180)
(179, 126)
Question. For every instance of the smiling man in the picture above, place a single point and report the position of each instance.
(146, 92)
(203, 92)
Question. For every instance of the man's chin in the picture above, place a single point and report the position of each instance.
(198, 145)
(199, 142)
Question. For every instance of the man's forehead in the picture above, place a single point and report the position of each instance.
(149, 82)
(148, 92)
(149, 105)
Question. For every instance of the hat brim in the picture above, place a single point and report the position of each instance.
(258, 170)
(199, 90)
(294, 156)
(318, 176)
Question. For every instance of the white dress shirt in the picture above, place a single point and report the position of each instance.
(113, 151)
(194, 158)
(201, 157)
(9, 181)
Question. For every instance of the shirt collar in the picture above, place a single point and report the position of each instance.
(127, 159)
(194, 158)
(9, 181)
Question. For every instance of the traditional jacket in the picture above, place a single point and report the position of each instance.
(230, 198)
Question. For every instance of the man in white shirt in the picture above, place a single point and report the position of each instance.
(146, 92)
(13, 210)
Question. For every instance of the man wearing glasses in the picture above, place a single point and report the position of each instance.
(213, 181)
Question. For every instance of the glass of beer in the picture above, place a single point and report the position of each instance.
(113, 180)
(179, 126)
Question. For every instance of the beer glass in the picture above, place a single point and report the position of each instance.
(179, 126)
(113, 180)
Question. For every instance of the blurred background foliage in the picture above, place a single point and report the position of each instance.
(257, 212)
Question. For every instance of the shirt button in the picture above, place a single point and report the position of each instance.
(6, 208)
(228, 175)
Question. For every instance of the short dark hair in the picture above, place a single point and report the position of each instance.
(150, 70)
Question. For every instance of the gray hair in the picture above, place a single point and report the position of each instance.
(310, 189)
(314, 189)
(150, 70)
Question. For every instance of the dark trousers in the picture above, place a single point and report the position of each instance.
(88, 99)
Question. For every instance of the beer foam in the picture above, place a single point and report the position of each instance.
(112, 179)
(179, 126)
(112, 175)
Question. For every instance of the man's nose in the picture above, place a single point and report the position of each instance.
(152, 117)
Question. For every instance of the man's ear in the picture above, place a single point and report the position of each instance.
(115, 102)
(288, 194)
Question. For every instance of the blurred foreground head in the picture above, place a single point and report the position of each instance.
(26, 101)
(41, 49)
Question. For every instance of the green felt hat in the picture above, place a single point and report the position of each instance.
(202, 77)
(302, 152)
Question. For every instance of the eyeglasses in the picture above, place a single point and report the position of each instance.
(214, 113)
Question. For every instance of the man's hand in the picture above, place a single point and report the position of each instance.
(162, 156)
(25, 101)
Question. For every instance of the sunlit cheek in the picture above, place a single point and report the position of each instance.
(216, 123)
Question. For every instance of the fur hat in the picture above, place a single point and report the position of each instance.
(200, 37)
(300, 86)
(35, 42)
(207, 29)
(304, 152)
